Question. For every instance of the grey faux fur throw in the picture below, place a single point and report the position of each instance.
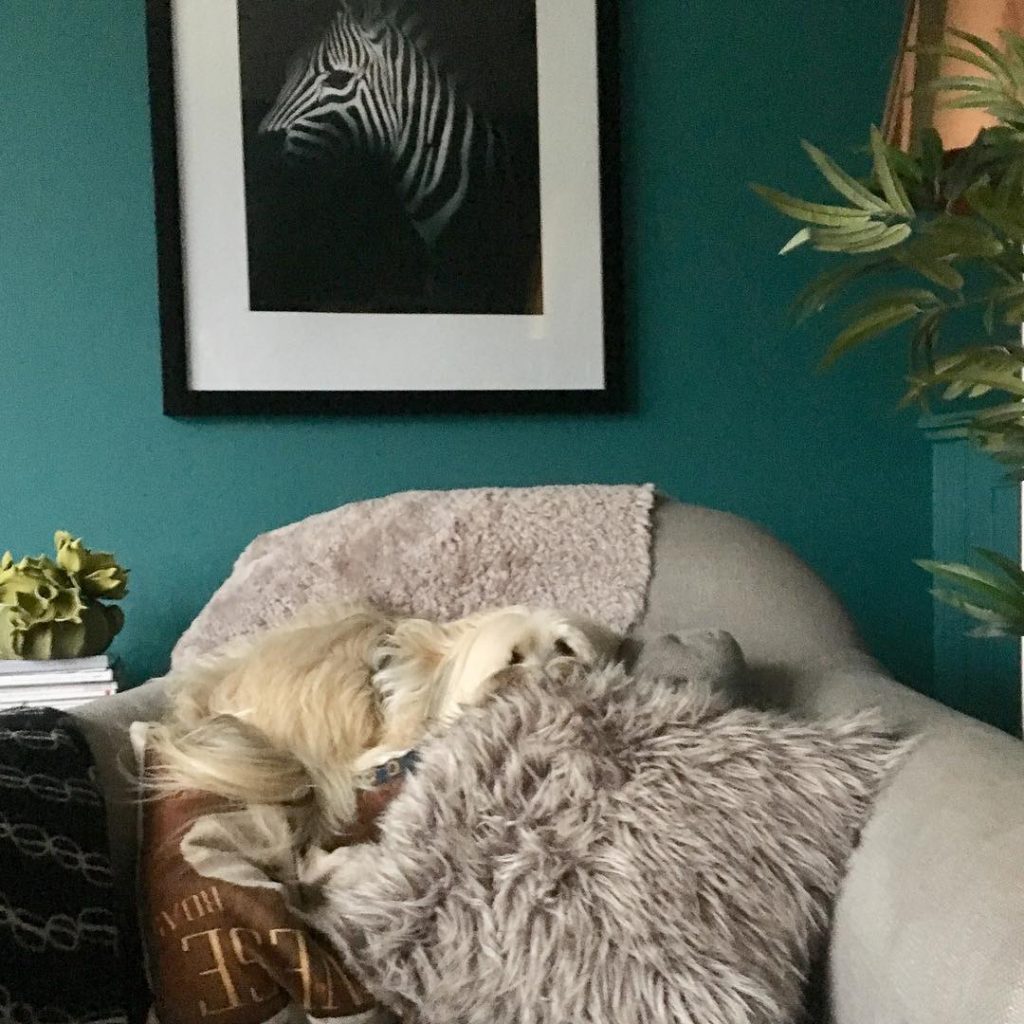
(603, 850)
(442, 555)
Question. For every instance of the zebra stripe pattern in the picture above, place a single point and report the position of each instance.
(369, 86)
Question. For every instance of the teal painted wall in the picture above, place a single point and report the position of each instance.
(727, 410)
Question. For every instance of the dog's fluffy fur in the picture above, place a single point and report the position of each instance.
(296, 715)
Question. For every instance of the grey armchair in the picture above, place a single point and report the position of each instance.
(929, 927)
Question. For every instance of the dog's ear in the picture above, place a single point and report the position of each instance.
(410, 657)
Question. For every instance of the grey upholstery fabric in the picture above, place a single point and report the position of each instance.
(105, 723)
(929, 928)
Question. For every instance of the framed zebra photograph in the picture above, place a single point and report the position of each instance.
(387, 205)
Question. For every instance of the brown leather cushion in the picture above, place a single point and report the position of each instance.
(235, 953)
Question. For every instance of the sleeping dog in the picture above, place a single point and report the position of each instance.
(310, 713)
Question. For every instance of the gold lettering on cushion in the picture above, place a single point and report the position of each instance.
(220, 968)
(302, 967)
(192, 908)
(246, 958)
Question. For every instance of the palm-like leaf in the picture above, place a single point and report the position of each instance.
(845, 184)
(994, 367)
(996, 599)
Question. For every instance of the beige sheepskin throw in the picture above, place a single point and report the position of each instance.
(600, 851)
(442, 555)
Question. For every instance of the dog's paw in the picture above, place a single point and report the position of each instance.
(708, 659)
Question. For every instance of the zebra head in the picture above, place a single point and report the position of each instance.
(338, 92)
(370, 88)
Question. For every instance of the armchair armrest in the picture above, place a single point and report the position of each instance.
(929, 925)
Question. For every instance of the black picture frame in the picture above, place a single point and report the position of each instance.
(180, 400)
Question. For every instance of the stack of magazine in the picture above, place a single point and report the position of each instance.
(55, 684)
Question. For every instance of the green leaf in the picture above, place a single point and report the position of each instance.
(801, 237)
(1012, 569)
(812, 213)
(997, 623)
(983, 199)
(974, 101)
(920, 297)
(923, 341)
(868, 327)
(1011, 297)
(819, 292)
(949, 235)
(1003, 67)
(845, 184)
(1007, 292)
(957, 83)
(1013, 44)
(1010, 190)
(904, 165)
(888, 238)
(997, 106)
(1009, 412)
(978, 581)
(847, 239)
(995, 366)
(961, 53)
(937, 271)
(984, 590)
(1014, 314)
(890, 184)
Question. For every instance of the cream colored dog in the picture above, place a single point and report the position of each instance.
(300, 715)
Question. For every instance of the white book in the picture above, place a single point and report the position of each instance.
(56, 678)
(18, 667)
(85, 691)
(61, 705)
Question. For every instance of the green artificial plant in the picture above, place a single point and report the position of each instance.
(940, 237)
(52, 607)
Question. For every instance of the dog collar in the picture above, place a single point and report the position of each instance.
(393, 769)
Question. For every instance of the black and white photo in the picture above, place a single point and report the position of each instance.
(386, 205)
(391, 155)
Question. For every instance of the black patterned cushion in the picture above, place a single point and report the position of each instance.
(60, 952)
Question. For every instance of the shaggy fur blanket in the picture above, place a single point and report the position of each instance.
(443, 555)
(594, 851)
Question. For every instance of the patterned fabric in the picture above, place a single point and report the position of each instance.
(60, 954)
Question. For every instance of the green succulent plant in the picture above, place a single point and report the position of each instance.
(96, 571)
(947, 230)
(50, 608)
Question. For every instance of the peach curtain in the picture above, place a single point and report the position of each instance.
(908, 111)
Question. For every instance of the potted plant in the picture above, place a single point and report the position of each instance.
(940, 237)
(58, 607)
